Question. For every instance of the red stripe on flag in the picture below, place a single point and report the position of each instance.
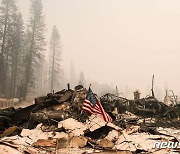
(105, 115)
(92, 110)
(102, 111)
(87, 106)
(97, 109)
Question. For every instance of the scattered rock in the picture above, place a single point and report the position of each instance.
(112, 136)
(62, 143)
(105, 143)
(78, 142)
(10, 131)
(45, 143)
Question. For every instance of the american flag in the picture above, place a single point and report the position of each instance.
(92, 105)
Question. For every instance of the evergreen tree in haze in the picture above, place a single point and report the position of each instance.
(35, 39)
(17, 54)
(10, 36)
(55, 60)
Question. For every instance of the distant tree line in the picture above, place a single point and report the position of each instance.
(22, 51)
(24, 68)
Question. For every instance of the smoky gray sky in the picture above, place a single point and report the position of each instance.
(123, 42)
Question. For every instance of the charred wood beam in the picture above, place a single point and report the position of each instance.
(23, 114)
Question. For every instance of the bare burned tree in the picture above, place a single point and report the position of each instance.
(152, 89)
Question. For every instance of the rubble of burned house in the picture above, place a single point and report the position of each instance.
(56, 123)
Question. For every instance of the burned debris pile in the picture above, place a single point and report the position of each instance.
(56, 123)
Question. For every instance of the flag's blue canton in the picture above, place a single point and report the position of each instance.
(91, 97)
